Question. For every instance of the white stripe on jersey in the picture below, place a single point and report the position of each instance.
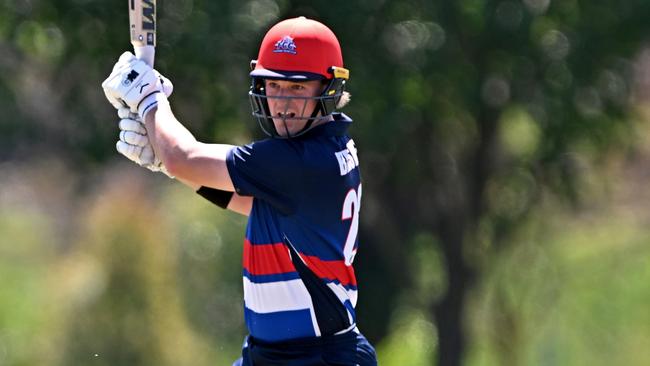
(314, 321)
(276, 296)
(279, 296)
(343, 294)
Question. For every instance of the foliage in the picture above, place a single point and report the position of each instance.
(484, 128)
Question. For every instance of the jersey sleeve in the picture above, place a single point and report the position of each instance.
(269, 170)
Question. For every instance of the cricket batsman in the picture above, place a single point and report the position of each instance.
(300, 188)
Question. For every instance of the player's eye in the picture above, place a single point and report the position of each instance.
(272, 85)
(297, 87)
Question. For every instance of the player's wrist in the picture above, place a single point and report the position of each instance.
(150, 103)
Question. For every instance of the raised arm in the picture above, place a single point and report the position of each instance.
(201, 166)
(193, 162)
(196, 164)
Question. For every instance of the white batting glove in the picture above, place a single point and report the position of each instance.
(134, 142)
(133, 84)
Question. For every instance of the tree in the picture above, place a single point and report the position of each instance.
(467, 113)
(484, 106)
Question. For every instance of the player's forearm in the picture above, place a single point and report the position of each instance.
(205, 164)
(170, 139)
(195, 163)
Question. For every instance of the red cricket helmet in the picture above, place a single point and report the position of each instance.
(298, 49)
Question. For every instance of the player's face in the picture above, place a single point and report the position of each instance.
(285, 103)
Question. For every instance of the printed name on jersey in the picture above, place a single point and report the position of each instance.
(347, 158)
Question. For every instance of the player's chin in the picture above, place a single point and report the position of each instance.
(287, 127)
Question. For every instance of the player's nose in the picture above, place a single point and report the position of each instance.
(282, 104)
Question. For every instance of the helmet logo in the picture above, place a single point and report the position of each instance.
(285, 45)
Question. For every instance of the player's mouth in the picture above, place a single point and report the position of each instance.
(286, 115)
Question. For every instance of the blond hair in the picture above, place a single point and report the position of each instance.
(345, 99)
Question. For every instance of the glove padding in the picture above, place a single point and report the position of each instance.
(134, 142)
(133, 84)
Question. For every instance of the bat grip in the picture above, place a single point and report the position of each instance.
(145, 53)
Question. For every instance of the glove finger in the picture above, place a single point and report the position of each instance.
(133, 138)
(123, 112)
(130, 151)
(147, 156)
(128, 124)
(115, 102)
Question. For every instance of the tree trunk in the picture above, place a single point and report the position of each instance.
(448, 312)
(457, 223)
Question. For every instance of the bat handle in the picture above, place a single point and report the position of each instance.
(145, 53)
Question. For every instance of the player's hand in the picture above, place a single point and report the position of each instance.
(134, 142)
(133, 84)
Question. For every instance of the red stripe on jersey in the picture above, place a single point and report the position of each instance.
(332, 270)
(267, 259)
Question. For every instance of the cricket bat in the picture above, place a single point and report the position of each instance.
(142, 19)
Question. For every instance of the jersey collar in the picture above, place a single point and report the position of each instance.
(337, 127)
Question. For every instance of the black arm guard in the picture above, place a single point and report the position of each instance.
(216, 196)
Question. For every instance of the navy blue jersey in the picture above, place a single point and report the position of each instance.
(301, 236)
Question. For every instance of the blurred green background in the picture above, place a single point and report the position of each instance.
(505, 153)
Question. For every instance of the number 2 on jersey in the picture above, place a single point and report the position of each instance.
(351, 206)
